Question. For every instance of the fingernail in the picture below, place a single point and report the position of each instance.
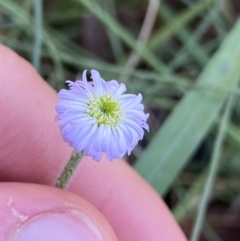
(61, 226)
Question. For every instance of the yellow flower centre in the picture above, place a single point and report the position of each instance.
(105, 110)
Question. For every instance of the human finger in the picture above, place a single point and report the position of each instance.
(33, 151)
(37, 212)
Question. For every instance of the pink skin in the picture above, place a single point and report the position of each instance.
(33, 151)
(21, 203)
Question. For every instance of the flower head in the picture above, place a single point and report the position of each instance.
(97, 117)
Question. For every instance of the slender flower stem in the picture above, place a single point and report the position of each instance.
(143, 37)
(145, 31)
(212, 171)
(69, 169)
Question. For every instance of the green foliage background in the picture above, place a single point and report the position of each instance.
(187, 70)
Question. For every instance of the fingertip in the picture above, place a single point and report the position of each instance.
(35, 212)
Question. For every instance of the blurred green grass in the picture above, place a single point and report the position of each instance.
(186, 71)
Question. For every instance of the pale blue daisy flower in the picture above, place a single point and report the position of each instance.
(97, 117)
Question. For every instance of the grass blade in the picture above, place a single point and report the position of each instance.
(37, 34)
(193, 117)
(212, 171)
(177, 24)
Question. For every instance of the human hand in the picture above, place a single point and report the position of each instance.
(32, 151)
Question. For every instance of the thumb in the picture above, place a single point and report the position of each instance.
(35, 212)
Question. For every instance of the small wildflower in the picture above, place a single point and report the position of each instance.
(97, 117)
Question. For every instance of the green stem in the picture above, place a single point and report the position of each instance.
(69, 169)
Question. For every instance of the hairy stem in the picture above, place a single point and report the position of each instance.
(69, 169)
